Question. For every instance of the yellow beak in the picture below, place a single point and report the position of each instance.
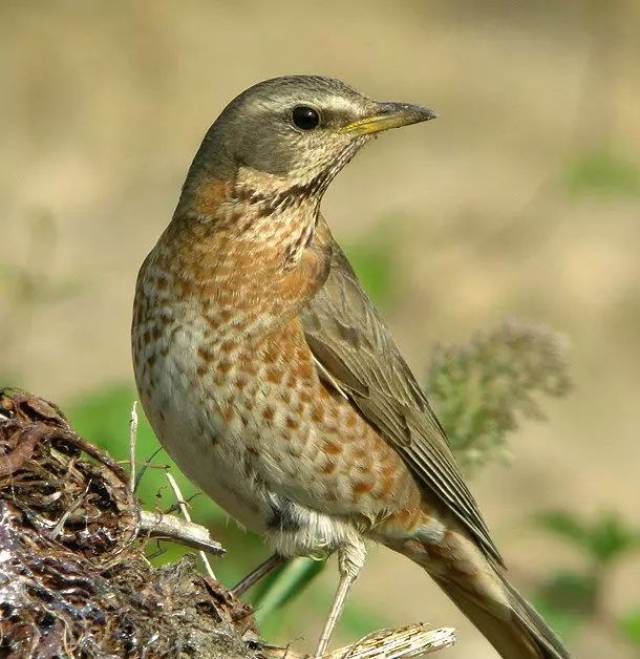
(389, 115)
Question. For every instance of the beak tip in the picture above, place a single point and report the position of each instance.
(418, 113)
(390, 115)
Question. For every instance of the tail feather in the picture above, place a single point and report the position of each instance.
(534, 623)
(518, 632)
(481, 591)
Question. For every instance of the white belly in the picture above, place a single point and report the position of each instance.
(188, 423)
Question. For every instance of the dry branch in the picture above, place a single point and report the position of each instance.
(402, 643)
(170, 527)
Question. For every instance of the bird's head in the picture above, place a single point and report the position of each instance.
(297, 131)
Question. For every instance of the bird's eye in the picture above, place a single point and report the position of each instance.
(305, 117)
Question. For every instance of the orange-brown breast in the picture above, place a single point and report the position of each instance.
(231, 387)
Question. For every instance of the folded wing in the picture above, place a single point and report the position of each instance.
(358, 355)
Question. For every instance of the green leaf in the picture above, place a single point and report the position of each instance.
(610, 537)
(629, 625)
(481, 390)
(602, 172)
(563, 524)
(574, 593)
(284, 584)
(606, 539)
(374, 262)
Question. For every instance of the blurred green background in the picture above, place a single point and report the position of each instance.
(522, 200)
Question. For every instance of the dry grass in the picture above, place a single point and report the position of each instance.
(74, 581)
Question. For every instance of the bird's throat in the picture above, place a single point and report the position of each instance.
(269, 213)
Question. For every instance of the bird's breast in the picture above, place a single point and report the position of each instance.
(232, 390)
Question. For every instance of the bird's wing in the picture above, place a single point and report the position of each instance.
(358, 356)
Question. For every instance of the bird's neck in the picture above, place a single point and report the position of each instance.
(240, 252)
(263, 211)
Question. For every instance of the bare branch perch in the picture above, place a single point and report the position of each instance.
(170, 527)
(401, 643)
(133, 439)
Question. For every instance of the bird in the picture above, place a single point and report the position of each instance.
(273, 382)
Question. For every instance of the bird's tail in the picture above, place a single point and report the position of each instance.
(516, 632)
(481, 591)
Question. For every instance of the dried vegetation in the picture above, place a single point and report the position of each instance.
(74, 581)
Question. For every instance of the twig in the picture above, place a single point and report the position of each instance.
(94, 452)
(185, 513)
(174, 507)
(25, 446)
(170, 527)
(133, 438)
(55, 532)
(265, 568)
(401, 643)
(145, 466)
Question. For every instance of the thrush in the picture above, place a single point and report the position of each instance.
(272, 381)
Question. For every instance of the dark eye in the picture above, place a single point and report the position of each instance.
(305, 117)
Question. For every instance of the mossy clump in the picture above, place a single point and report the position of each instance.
(74, 581)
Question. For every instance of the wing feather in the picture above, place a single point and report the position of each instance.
(359, 357)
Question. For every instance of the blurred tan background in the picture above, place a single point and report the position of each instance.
(495, 210)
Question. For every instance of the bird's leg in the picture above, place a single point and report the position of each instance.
(350, 562)
(346, 580)
(266, 567)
